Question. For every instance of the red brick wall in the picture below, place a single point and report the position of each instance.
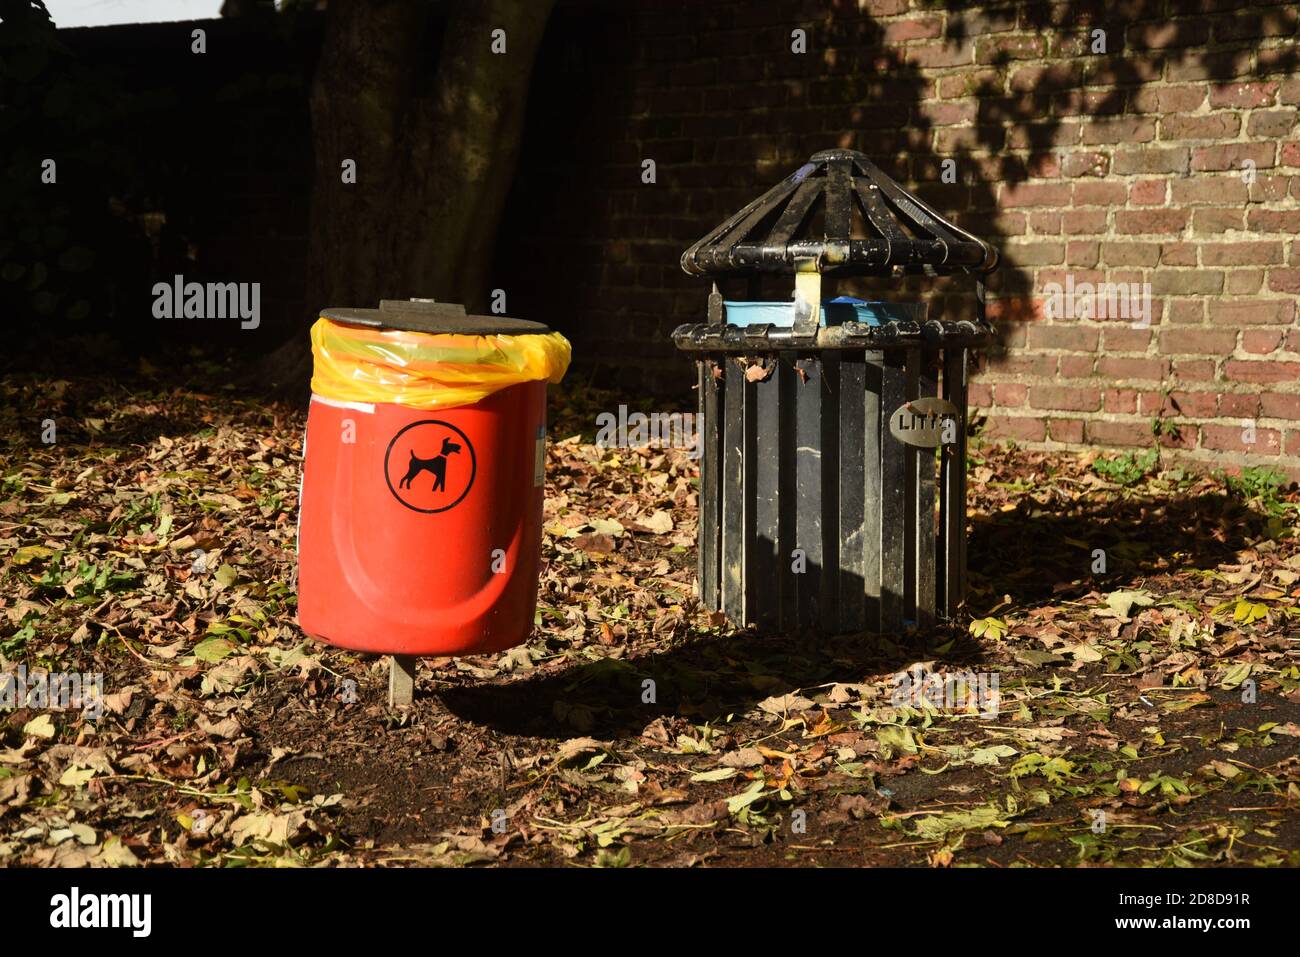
(1125, 166)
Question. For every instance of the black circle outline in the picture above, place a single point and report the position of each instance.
(473, 465)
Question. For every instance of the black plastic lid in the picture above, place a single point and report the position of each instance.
(435, 318)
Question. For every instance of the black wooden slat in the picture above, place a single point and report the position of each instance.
(925, 522)
(964, 419)
(769, 577)
(808, 476)
(850, 394)
(943, 560)
(789, 492)
(749, 457)
(710, 531)
(893, 497)
(911, 379)
(830, 485)
(710, 500)
(872, 488)
(733, 493)
(954, 486)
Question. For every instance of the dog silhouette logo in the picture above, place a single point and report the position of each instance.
(430, 466)
(437, 466)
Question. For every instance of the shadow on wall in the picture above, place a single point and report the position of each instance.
(1044, 113)
(1081, 98)
(600, 250)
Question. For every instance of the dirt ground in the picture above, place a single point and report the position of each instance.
(1145, 714)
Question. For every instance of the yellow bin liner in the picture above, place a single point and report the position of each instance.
(427, 371)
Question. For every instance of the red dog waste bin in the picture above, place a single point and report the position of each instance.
(421, 508)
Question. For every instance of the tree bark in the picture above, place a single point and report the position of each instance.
(435, 136)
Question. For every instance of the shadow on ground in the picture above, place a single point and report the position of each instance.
(704, 679)
(1035, 553)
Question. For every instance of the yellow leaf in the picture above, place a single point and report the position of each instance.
(1248, 611)
(76, 777)
(39, 727)
(116, 854)
(30, 553)
(993, 628)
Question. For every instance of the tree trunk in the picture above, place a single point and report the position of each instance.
(435, 151)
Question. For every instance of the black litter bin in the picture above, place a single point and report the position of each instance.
(824, 504)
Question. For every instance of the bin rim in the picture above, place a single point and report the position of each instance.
(850, 336)
(432, 318)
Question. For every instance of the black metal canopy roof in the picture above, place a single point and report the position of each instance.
(842, 211)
